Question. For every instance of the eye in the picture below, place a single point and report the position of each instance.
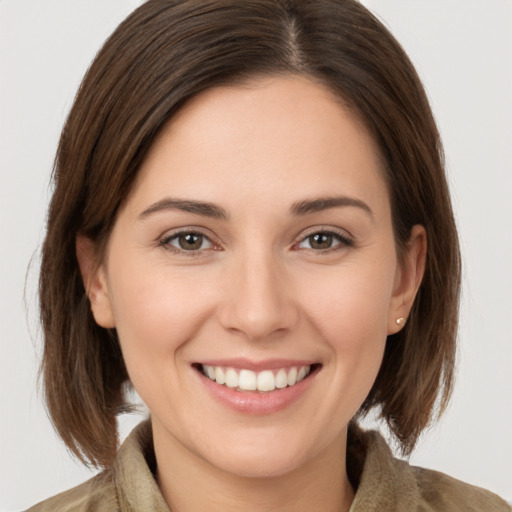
(188, 241)
(324, 241)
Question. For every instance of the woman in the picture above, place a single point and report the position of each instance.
(251, 225)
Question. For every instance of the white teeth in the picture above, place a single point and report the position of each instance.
(281, 379)
(219, 375)
(292, 376)
(264, 381)
(247, 380)
(231, 378)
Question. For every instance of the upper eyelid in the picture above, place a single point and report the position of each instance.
(164, 240)
(343, 233)
(345, 239)
(170, 234)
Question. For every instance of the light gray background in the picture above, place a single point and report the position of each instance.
(463, 50)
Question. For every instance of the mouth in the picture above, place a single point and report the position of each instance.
(265, 381)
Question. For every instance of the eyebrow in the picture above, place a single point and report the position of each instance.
(324, 203)
(214, 211)
(197, 207)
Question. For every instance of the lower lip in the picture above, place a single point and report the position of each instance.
(250, 402)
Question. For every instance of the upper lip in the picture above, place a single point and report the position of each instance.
(257, 366)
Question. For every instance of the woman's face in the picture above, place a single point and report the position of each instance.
(256, 245)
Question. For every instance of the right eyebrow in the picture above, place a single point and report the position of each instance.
(197, 207)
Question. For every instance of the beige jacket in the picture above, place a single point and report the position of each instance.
(384, 483)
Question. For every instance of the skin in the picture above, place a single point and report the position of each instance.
(256, 288)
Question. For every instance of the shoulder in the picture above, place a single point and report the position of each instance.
(442, 492)
(386, 483)
(129, 484)
(98, 493)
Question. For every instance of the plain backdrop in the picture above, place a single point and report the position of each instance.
(463, 51)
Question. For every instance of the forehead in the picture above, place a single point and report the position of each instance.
(276, 137)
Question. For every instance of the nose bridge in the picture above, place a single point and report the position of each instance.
(258, 303)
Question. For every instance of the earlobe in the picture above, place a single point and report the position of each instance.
(95, 282)
(408, 279)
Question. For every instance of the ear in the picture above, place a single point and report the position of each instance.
(95, 282)
(408, 278)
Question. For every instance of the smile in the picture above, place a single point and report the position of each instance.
(249, 380)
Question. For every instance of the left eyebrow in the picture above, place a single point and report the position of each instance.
(325, 203)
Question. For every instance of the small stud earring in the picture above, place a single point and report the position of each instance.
(400, 321)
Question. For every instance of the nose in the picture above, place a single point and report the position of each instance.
(258, 299)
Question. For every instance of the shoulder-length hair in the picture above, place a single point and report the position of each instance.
(162, 55)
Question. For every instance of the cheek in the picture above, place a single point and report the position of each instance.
(351, 307)
(155, 315)
(350, 312)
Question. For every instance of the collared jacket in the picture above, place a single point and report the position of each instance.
(383, 483)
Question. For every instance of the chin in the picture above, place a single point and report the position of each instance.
(258, 465)
(262, 458)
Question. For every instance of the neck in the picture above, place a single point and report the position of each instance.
(189, 482)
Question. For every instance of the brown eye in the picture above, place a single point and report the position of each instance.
(323, 241)
(320, 241)
(190, 241)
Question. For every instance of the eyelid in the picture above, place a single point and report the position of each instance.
(163, 240)
(346, 239)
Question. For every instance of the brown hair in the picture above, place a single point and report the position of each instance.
(163, 54)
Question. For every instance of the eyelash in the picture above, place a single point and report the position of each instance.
(342, 238)
(166, 243)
